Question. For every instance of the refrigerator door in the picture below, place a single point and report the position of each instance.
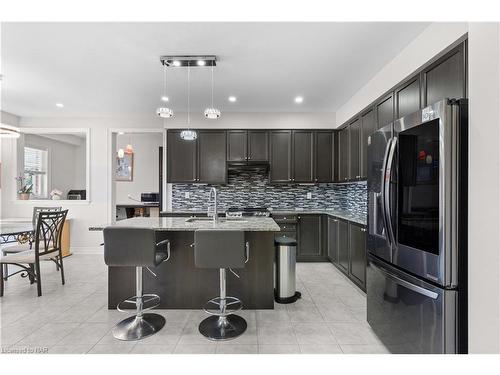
(409, 315)
(427, 193)
(378, 239)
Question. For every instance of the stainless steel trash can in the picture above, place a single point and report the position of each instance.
(284, 270)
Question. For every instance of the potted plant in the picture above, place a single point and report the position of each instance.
(24, 190)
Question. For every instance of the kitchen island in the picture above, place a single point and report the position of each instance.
(180, 284)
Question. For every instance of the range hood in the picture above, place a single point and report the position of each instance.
(248, 165)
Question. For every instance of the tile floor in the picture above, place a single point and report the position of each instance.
(330, 317)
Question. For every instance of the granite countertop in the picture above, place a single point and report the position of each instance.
(342, 214)
(247, 224)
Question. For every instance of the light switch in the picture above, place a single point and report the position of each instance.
(186, 195)
(309, 195)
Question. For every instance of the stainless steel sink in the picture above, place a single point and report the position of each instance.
(221, 219)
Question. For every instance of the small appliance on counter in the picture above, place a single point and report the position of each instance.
(150, 198)
(77, 195)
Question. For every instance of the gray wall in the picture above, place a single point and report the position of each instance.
(252, 189)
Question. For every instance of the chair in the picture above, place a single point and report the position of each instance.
(47, 243)
(17, 248)
(221, 249)
(136, 247)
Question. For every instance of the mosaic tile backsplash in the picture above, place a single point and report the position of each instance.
(252, 189)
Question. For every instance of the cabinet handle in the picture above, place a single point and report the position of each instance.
(363, 230)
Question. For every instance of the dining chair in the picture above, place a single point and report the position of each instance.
(18, 247)
(47, 246)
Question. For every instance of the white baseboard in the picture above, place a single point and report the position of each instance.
(87, 250)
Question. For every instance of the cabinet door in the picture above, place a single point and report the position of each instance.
(258, 145)
(385, 111)
(324, 157)
(281, 156)
(408, 97)
(303, 156)
(344, 154)
(333, 239)
(343, 243)
(354, 139)
(357, 259)
(181, 158)
(212, 156)
(368, 127)
(309, 237)
(236, 145)
(445, 78)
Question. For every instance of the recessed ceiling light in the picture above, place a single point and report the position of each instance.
(121, 133)
(232, 99)
(59, 105)
(201, 62)
(299, 99)
(176, 63)
(164, 98)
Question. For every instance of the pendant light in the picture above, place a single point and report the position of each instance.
(212, 113)
(164, 112)
(8, 131)
(188, 134)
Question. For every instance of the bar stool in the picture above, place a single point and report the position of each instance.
(136, 247)
(221, 249)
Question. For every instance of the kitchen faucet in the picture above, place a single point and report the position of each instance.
(215, 214)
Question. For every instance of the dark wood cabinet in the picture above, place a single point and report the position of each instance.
(212, 156)
(202, 160)
(446, 78)
(325, 157)
(309, 238)
(354, 149)
(408, 97)
(182, 161)
(247, 145)
(385, 111)
(357, 254)
(303, 156)
(343, 245)
(280, 156)
(258, 145)
(343, 154)
(237, 145)
(368, 127)
(333, 239)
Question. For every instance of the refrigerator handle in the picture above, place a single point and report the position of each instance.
(387, 191)
(406, 284)
(382, 194)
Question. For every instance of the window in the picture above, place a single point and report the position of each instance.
(35, 170)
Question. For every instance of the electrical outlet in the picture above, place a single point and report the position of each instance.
(186, 195)
(309, 196)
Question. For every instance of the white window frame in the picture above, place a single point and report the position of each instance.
(48, 176)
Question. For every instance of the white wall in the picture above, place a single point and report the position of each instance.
(484, 188)
(146, 164)
(428, 44)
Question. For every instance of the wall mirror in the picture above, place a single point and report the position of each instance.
(53, 164)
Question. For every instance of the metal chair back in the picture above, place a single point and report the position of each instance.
(48, 231)
(37, 210)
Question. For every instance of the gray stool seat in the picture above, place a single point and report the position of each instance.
(221, 249)
(136, 247)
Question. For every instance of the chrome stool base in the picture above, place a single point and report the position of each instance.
(136, 328)
(222, 328)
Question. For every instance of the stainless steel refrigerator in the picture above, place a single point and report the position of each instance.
(417, 231)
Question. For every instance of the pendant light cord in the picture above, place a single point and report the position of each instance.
(188, 89)
(212, 85)
(164, 80)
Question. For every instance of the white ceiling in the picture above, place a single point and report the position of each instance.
(108, 69)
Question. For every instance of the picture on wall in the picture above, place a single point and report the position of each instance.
(124, 167)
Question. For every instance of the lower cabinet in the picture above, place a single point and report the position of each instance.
(309, 238)
(357, 250)
(343, 251)
(333, 239)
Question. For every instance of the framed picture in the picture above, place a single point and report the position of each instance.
(125, 167)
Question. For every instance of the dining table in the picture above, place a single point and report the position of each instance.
(15, 230)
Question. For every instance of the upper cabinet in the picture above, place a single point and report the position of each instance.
(368, 127)
(247, 145)
(325, 156)
(408, 97)
(303, 156)
(202, 160)
(280, 156)
(446, 78)
(354, 149)
(343, 141)
(385, 111)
